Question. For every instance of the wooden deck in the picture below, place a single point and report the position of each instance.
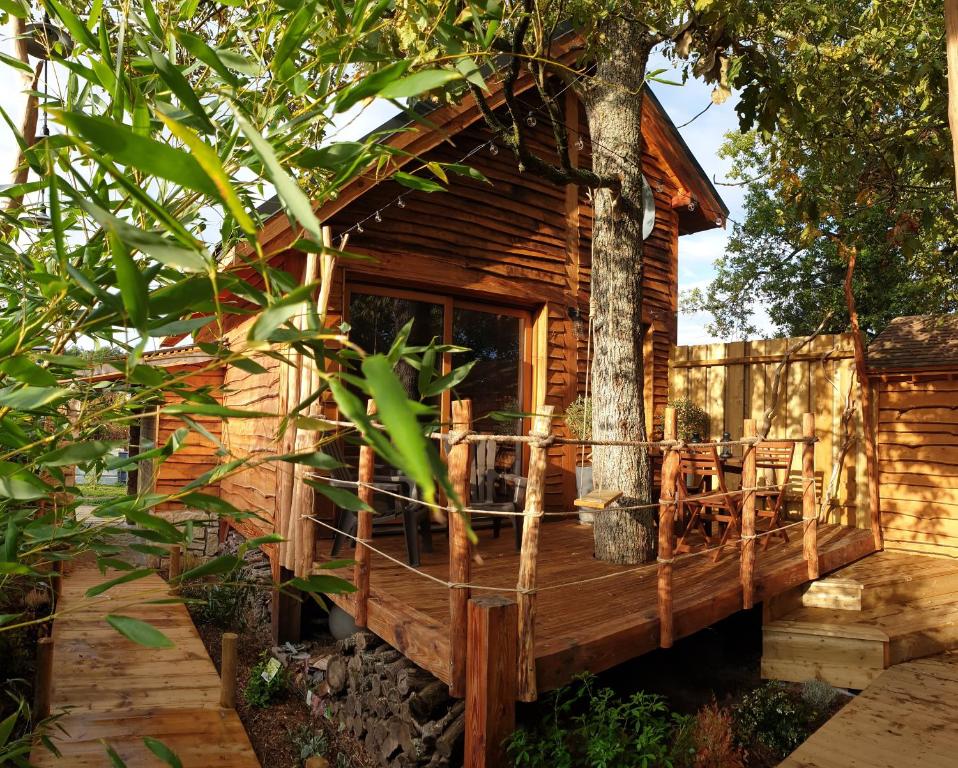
(118, 692)
(905, 719)
(591, 626)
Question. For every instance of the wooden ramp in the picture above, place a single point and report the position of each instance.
(118, 692)
(905, 719)
(850, 626)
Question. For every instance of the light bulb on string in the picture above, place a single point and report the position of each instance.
(378, 217)
(359, 227)
(693, 205)
(493, 149)
(400, 202)
(719, 222)
(580, 144)
(531, 120)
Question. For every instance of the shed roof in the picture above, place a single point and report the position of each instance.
(916, 342)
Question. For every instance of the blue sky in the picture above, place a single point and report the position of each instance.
(704, 136)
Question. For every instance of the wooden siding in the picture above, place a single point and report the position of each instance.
(199, 454)
(733, 382)
(918, 461)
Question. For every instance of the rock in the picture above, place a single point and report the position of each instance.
(316, 762)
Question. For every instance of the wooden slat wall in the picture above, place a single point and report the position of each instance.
(507, 243)
(918, 462)
(733, 382)
(199, 454)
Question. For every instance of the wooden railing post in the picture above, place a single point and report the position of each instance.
(670, 466)
(749, 482)
(528, 557)
(364, 528)
(460, 556)
(43, 689)
(228, 671)
(809, 507)
(490, 681)
(176, 568)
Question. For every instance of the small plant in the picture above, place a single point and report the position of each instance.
(819, 696)
(592, 727)
(222, 603)
(309, 742)
(713, 739)
(773, 718)
(578, 417)
(691, 419)
(267, 680)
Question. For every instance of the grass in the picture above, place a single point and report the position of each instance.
(95, 494)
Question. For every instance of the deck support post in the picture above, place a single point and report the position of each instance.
(490, 680)
(228, 671)
(44, 680)
(670, 465)
(529, 555)
(809, 509)
(749, 483)
(364, 528)
(460, 555)
(286, 611)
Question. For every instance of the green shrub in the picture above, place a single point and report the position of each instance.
(691, 419)
(819, 696)
(578, 417)
(592, 727)
(259, 691)
(310, 743)
(222, 604)
(774, 718)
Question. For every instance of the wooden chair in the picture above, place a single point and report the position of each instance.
(482, 490)
(769, 502)
(710, 501)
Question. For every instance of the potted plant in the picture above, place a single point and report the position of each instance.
(578, 418)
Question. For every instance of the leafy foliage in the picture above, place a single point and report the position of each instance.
(691, 419)
(772, 718)
(260, 691)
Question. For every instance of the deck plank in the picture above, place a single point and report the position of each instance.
(588, 626)
(902, 720)
(116, 691)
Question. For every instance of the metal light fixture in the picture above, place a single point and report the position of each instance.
(726, 452)
(44, 36)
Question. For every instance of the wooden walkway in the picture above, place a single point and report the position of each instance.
(905, 719)
(587, 626)
(118, 692)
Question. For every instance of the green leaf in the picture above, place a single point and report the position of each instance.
(130, 279)
(417, 182)
(78, 453)
(99, 589)
(397, 416)
(154, 158)
(180, 86)
(420, 82)
(293, 197)
(6, 727)
(162, 751)
(22, 368)
(29, 398)
(221, 564)
(139, 631)
(209, 409)
(331, 585)
(198, 47)
(341, 497)
(74, 26)
(450, 380)
(176, 327)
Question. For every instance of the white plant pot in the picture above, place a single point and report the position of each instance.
(583, 486)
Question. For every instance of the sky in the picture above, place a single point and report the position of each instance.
(704, 135)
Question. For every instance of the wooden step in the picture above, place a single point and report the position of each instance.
(850, 626)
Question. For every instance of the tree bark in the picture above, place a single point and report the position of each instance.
(613, 105)
(951, 50)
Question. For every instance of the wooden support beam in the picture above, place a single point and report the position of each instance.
(364, 528)
(809, 505)
(286, 610)
(749, 481)
(529, 555)
(460, 555)
(670, 466)
(228, 671)
(176, 562)
(43, 687)
(951, 53)
(490, 681)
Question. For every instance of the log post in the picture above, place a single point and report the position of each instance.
(228, 671)
(670, 466)
(749, 482)
(176, 561)
(42, 692)
(459, 459)
(490, 680)
(528, 557)
(364, 528)
(809, 505)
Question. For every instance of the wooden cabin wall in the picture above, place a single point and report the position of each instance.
(523, 242)
(918, 461)
(199, 454)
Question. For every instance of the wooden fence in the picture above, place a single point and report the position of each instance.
(733, 382)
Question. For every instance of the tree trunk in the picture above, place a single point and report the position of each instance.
(613, 104)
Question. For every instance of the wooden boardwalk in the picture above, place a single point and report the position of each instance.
(905, 719)
(118, 692)
(588, 626)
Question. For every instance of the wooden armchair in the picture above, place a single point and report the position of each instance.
(770, 502)
(710, 501)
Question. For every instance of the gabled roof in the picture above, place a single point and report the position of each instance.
(448, 120)
(917, 342)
